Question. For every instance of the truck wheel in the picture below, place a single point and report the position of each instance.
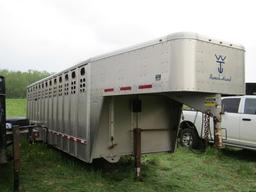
(189, 138)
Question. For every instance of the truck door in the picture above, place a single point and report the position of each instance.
(248, 122)
(231, 118)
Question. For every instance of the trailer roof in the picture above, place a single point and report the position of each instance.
(170, 37)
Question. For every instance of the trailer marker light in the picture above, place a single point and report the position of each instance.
(69, 137)
(125, 88)
(109, 90)
(81, 141)
(147, 86)
(72, 139)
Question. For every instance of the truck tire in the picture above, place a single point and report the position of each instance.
(189, 138)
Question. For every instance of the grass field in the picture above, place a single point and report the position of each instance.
(46, 169)
(16, 107)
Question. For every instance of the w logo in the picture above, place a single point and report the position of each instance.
(221, 61)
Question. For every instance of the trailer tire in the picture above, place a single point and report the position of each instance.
(189, 138)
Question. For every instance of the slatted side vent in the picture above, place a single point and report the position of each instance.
(46, 90)
(73, 83)
(39, 92)
(60, 86)
(55, 87)
(66, 85)
(43, 91)
(50, 89)
(82, 81)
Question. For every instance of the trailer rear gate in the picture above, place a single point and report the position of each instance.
(92, 109)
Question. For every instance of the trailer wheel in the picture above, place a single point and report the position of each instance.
(189, 138)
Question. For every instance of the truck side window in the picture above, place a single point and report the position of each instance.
(250, 106)
(231, 105)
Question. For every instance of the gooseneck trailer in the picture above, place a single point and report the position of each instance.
(130, 101)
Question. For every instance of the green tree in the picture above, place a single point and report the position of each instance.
(17, 81)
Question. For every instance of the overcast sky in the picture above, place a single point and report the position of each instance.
(52, 35)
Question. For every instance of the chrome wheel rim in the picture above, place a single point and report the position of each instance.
(187, 139)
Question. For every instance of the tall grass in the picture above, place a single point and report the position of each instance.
(47, 169)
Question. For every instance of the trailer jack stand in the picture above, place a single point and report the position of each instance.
(218, 142)
(137, 153)
(217, 132)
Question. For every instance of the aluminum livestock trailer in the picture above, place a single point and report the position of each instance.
(130, 101)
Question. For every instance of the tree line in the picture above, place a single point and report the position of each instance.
(17, 81)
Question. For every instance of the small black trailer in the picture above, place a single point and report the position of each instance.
(2, 122)
(10, 131)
